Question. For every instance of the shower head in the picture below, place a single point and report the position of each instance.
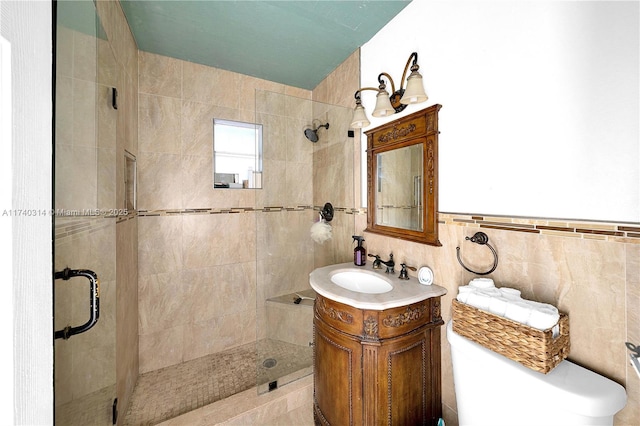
(312, 134)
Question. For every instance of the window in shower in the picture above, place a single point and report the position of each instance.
(237, 154)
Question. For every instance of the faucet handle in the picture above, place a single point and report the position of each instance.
(403, 273)
(376, 262)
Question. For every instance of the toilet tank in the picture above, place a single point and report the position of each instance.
(493, 390)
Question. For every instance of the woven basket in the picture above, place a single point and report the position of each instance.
(533, 348)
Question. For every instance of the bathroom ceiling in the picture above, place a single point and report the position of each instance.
(297, 43)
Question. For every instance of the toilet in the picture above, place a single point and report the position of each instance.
(493, 390)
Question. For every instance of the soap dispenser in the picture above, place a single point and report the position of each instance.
(359, 253)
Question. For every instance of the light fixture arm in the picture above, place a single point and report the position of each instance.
(383, 86)
(414, 67)
(357, 94)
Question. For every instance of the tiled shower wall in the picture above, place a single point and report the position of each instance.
(208, 258)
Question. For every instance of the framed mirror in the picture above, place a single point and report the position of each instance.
(402, 178)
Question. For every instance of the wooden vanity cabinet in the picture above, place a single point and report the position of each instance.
(377, 367)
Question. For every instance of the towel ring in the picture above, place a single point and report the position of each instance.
(482, 239)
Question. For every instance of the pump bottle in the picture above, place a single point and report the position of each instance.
(359, 253)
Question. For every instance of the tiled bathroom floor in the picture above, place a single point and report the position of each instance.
(169, 392)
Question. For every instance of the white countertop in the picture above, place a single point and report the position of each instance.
(404, 292)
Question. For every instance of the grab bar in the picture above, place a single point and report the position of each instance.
(94, 301)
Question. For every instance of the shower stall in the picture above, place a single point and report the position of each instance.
(201, 291)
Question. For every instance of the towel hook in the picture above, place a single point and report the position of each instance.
(482, 239)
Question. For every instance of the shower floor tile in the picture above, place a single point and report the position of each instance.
(169, 392)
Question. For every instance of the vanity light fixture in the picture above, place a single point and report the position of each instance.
(390, 104)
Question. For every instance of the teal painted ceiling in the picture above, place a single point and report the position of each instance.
(297, 43)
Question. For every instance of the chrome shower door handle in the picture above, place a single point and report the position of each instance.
(94, 301)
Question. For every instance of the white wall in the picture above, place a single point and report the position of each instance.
(26, 26)
(540, 100)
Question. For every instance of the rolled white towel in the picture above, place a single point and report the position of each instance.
(510, 293)
(463, 293)
(543, 318)
(479, 300)
(498, 305)
(518, 311)
(547, 306)
(463, 297)
(482, 283)
(491, 292)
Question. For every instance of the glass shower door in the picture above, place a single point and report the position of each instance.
(301, 174)
(84, 223)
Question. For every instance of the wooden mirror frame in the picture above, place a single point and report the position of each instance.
(418, 128)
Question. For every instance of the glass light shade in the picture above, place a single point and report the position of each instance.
(414, 93)
(359, 119)
(383, 105)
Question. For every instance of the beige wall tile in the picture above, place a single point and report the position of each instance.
(159, 181)
(84, 113)
(163, 302)
(339, 86)
(106, 179)
(273, 178)
(158, 350)
(210, 85)
(283, 234)
(197, 182)
(219, 291)
(220, 333)
(76, 187)
(85, 48)
(299, 181)
(107, 118)
(197, 128)
(284, 323)
(274, 137)
(299, 149)
(284, 274)
(108, 69)
(159, 124)
(160, 75)
(64, 111)
(159, 245)
(219, 239)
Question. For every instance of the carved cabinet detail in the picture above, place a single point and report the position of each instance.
(383, 367)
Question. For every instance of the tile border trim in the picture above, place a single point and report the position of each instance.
(604, 231)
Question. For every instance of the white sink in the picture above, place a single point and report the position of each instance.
(367, 288)
(361, 281)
